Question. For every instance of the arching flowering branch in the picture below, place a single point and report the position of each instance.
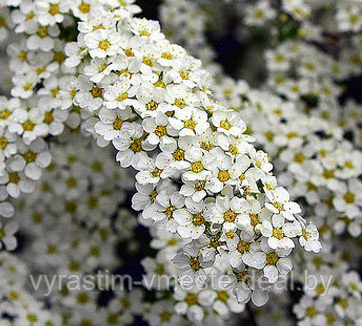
(198, 174)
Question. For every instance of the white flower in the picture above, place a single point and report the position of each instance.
(191, 219)
(146, 28)
(7, 142)
(7, 238)
(276, 233)
(192, 267)
(226, 211)
(114, 123)
(228, 122)
(348, 198)
(15, 183)
(50, 12)
(281, 204)
(163, 210)
(147, 194)
(29, 124)
(6, 209)
(201, 165)
(159, 129)
(258, 13)
(244, 248)
(75, 51)
(89, 95)
(32, 159)
(260, 160)
(163, 314)
(24, 85)
(191, 303)
(102, 43)
(43, 38)
(131, 146)
(246, 288)
(272, 262)
(190, 121)
(119, 95)
(309, 239)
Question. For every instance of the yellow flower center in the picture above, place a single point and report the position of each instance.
(167, 55)
(112, 319)
(160, 84)
(32, 318)
(144, 33)
(180, 103)
(254, 219)
(272, 258)
(104, 45)
(123, 96)
(191, 299)
(129, 53)
(299, 158)
(136, 145)
(269, 136)
(71, 182)
(320, 289)
(311, 312)
(223, 296)
(96, 91)
(225, 125)
(223, 176)
(51, 250)
(169, 211)
(4, 114)
(54, 9)
(243, 276)
(59, 56)
(278, 233)
(29, 156)
(229, 216)
(84, 8)
(153, 196)
(117, 124)
(27, 86)
(200, 185)
(152, 105)
(195, 264)
(198, 219)
(14, 178)
(178, 154)
(42, 31)
(328, 174)
(48, 117)
(233, 150)
(206, 145)
(156, 172)
(185, 74)
(165, 316)
(3, 142)
(349, 198)
(2, 21)
(197, 167)
(161, 131)
(190, 124)
(243, 247)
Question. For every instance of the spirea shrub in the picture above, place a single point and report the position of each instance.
(116, 143)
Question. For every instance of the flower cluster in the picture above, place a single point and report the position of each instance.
(204, 183)
(70, 234)
(198, 174)
(303, 120)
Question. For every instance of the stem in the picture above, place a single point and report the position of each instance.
(251, 315)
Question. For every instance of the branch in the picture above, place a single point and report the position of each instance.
(251, 315)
